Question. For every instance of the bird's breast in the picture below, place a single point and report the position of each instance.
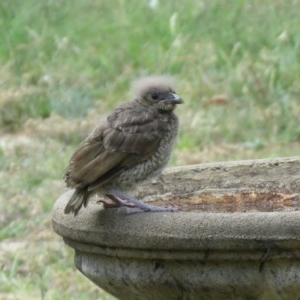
(153, 165)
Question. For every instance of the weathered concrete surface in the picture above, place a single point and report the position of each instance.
(221, 252)
(132, 279)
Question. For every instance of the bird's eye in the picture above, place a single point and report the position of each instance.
(154, 96)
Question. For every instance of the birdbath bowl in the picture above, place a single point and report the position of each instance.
(236, 236)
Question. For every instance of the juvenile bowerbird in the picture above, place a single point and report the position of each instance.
(131, 145)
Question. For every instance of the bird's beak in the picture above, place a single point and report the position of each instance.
(174, 99)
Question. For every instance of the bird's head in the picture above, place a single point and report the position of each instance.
(156, 91)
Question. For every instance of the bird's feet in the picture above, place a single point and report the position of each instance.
(150, 208)
(131, 204)
(116, 202)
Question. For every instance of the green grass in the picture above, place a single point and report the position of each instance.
(64, 64)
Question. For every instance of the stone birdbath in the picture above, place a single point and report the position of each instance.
(237, 235)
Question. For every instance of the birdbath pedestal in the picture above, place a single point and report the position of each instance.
(236, 236)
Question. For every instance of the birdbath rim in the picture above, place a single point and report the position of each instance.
(190, 230)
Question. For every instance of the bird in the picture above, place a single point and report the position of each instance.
(131, 145)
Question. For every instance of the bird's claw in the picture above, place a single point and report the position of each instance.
(132, 205)
(109, 204)
(116, 203)
(134, 210)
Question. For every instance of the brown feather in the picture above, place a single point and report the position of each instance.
(114, 144)
(129, 136)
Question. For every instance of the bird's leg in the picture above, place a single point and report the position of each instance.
(117, 202)
(133, 205)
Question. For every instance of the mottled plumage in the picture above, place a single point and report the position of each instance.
(133, 144)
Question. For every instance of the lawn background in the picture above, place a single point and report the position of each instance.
(65, 64)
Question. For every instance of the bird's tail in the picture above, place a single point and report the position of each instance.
(79, 198)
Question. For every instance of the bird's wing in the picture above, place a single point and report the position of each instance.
(90, 162)
(133, 129)
(129, 137)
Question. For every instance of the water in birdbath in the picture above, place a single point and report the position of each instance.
(224, 201)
